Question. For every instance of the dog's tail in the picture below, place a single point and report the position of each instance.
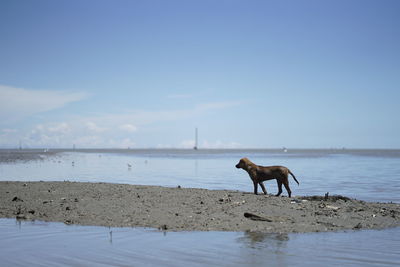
(293, 177)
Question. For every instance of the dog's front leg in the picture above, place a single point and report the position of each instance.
(255, 187)
(263, 187)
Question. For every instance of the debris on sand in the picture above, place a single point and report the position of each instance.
(189, 209)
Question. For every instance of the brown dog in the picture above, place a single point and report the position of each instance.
(259, 174)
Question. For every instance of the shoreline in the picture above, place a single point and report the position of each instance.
(189, 209)
(16, 155)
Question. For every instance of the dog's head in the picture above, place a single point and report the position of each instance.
(242, 163)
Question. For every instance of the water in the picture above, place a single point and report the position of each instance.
(55, 244)
(368, 175)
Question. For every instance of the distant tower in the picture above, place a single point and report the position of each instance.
(195, 139)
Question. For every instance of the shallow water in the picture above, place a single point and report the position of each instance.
(368, 175)
(51, 244)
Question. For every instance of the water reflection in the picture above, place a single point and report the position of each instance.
(261, 249)
(258, 240)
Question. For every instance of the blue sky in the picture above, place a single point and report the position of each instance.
(259, 74)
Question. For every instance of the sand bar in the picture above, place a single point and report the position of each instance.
(188, 209)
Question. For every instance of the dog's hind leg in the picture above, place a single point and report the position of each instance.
(286, 184)
(263, 187)
(279, 187)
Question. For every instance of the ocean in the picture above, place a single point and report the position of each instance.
(370, 175)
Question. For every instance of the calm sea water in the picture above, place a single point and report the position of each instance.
(372, 175)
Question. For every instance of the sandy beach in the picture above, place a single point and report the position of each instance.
(188, 209)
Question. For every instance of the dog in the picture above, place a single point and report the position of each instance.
(259, 174)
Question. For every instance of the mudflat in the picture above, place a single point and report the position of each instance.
(188, 209)
(13, 155)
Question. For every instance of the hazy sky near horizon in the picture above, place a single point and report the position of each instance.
(260, 74)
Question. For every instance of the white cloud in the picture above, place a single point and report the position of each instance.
(142, 117)
(61, 128)
(187, 144)
(91, 126)
(112, 130)
(89, 141)
(220, 144)
(128, 128)
(208, 144)
(125, 143)
(17, 103)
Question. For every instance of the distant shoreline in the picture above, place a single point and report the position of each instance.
(188, 209)
(11, 155)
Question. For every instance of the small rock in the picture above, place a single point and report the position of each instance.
(21, 217)
(67, 208)
(255, 217)
(17, 199)
(31, 211)
(358, 226)
(332, 207)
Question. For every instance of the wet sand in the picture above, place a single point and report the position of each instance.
(188, 209)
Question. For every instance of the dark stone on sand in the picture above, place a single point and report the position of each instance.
(255, 217)
(333, 198)
(17, 199)
(21, 217)
(163, 227)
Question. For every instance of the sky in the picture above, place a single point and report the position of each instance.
(247, 74)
